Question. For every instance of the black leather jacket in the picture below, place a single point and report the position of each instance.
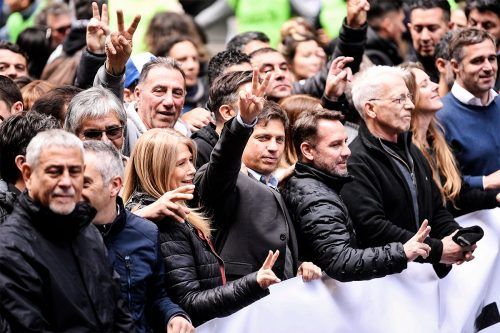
(325, 230)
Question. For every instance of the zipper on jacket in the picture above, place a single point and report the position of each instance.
(412, 175)
(128, 267)
(412, 171)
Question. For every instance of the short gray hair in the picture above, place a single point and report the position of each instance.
(96, 102)
(48, 139)
(110, 162)
(370, 84)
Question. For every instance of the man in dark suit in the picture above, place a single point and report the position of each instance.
(249, 215)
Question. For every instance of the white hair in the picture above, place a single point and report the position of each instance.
(48, 139)
(109, 160)
(371, 83)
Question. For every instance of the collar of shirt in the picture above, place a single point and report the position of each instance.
(466, 97)
(273, 181)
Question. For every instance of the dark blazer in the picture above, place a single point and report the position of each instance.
(249, 217)
(380, 201)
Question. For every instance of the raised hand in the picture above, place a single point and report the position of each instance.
(338, 77)
(309, 271)
(119, 44)
(97, 29)
(167, 207)
(416, 247)
(251, 103)
(356, 13)
(265, 275)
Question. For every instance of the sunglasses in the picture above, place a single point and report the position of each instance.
(112, 133)
(63, 29)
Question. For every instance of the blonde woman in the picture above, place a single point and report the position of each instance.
(161, 170)
(428, 137)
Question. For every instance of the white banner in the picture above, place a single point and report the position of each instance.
(413, 301)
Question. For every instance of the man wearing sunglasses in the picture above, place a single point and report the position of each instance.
(59, 22)
(97, 114)
(392, 191)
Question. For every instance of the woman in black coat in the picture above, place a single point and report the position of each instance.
(160, 173)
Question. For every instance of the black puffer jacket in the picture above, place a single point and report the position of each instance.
(325, 231)
(54, 274)
(194, 277)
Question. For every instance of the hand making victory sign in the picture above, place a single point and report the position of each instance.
(251, 103)
(265, 275)
(98, 29)
(119, 44)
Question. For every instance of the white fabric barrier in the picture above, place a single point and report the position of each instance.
(413, 301)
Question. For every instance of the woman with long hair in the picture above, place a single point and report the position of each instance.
(162, 163)
(428, 137)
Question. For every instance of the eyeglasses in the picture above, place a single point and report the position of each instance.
(112, 133)
(61, 30)
(400, 100)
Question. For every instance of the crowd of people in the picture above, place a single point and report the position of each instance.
(155, 191)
